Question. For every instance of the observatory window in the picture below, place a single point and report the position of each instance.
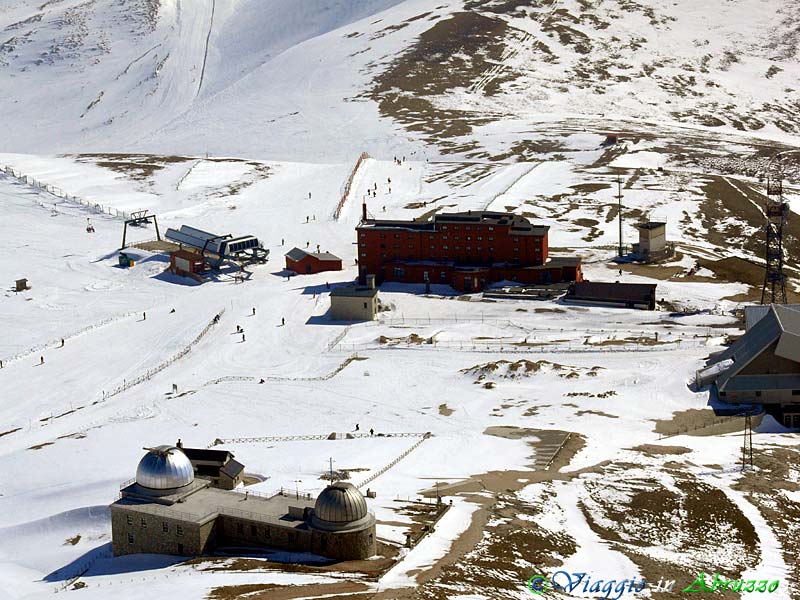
(130, 519)
(370, 539)
(240, 528)
(365, 305)
(795, 392)
(267, 533)
(144, 523)
(253, 530)
(165, 527)
(180, 548)
(758, 393)
(130, 538)
(179, 529)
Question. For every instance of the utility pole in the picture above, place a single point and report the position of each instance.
(619, 214)
(331, 467)
(747, 446)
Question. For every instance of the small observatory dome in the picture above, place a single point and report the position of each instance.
(340, 503)
(163, 468)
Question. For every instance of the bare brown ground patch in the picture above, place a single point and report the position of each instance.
(40, 446)
(445, 411)
(266, 591)
(656, 450)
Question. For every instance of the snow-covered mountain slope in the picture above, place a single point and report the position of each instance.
(330, 78)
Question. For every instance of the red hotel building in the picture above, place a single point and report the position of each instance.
(466, 250)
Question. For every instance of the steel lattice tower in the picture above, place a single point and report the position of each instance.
(777, 211)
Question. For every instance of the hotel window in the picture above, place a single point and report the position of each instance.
(396, 235)
(165, 527)
(469, 248)
(179, 529)
(458, 247)
(491, 228)
(363, 255)
(491, 239)
(467, 228)
(410, 245)
(130, 538)
(430, 237)
(516, 239)
(444, 237)
(480, 237)
(442, 275)
(491, 249)
(516, 249)
(469, 237)
(383, 235)
(362, 234)
(398, 272)
(444, 226)
(480, 248)
(444, 247)
(130, 520)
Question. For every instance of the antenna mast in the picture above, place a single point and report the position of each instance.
(777, 211)
(619, 214)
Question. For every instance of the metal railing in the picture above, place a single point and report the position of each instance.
(314, 437)
(347, 185)
(383, 470)
(59, 193)
(147, 375)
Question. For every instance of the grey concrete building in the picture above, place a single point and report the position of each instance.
(355, 302)
(652, 243)
(167, 510)
(762, 367)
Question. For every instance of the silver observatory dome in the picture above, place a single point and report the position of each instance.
(340, 503)
(164, 468)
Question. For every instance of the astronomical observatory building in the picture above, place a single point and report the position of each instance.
(167, 510)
